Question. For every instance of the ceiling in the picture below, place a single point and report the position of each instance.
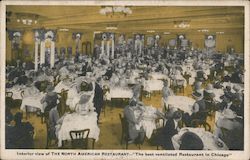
(160, 19)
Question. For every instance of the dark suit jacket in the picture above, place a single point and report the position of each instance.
(165, 138)
(108, 73)
(98, 98)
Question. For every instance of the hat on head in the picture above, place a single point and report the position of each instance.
(191, 141)
(132, 102)
(229, 114)
(209, 88)
(29, 82)
(227, 96)
(228, 88)
(50, 88)
(236, 88)
(165, 82)
(177, 115)
(197, 95)
(84, 99)
(197, 85)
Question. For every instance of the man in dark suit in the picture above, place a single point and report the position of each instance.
(98, 98)
(168, 131)
(24, 131)
(108, 73)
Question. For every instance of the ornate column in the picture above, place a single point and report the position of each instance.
(36, 55)
(140, 48)
(52, 54)
(108, 49)
(37, 39)
(157, 39)
(102, 52)
(112, 37)
(42, 52)
(15, 38)
(104, 38)
(77, 38)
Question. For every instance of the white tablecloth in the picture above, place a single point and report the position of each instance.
(148, 121)
(182, 102)
(218, 93)
(158, 76)
(118, 92)
(208, 139)
(33, 101)
(62, 85)
(71, 102)
(153, 85)
(76, 121)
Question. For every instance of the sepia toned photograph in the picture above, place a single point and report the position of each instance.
(124, 77)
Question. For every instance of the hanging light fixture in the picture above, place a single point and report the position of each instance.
(27, 18)
(182, 24)
(112, 11)
(112, 27)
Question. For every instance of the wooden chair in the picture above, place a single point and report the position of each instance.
(22, 94)
(50, 136)
(125, 134)
(79, 139)
(159, 127)
(201, 121)
(8, 99)
(179, 86)
(26, 107)
(159, 122)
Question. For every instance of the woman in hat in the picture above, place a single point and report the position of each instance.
(84, 106)
(166, 92)
(230, 130)
(50, 99)
(30, 89)
(133, 114)
(198, 107)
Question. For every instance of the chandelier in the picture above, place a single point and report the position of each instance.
(115, 10)
(112, 27)
(181, 24)
(27, 18)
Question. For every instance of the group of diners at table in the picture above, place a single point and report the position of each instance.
(71, 96)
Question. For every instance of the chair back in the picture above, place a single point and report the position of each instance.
(22, 94)
(8, 99)
(124, 124)
(179, 82)
(159, 122)
(9, 94)
(79, 138)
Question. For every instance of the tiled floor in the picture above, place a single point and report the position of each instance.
(110, 126)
